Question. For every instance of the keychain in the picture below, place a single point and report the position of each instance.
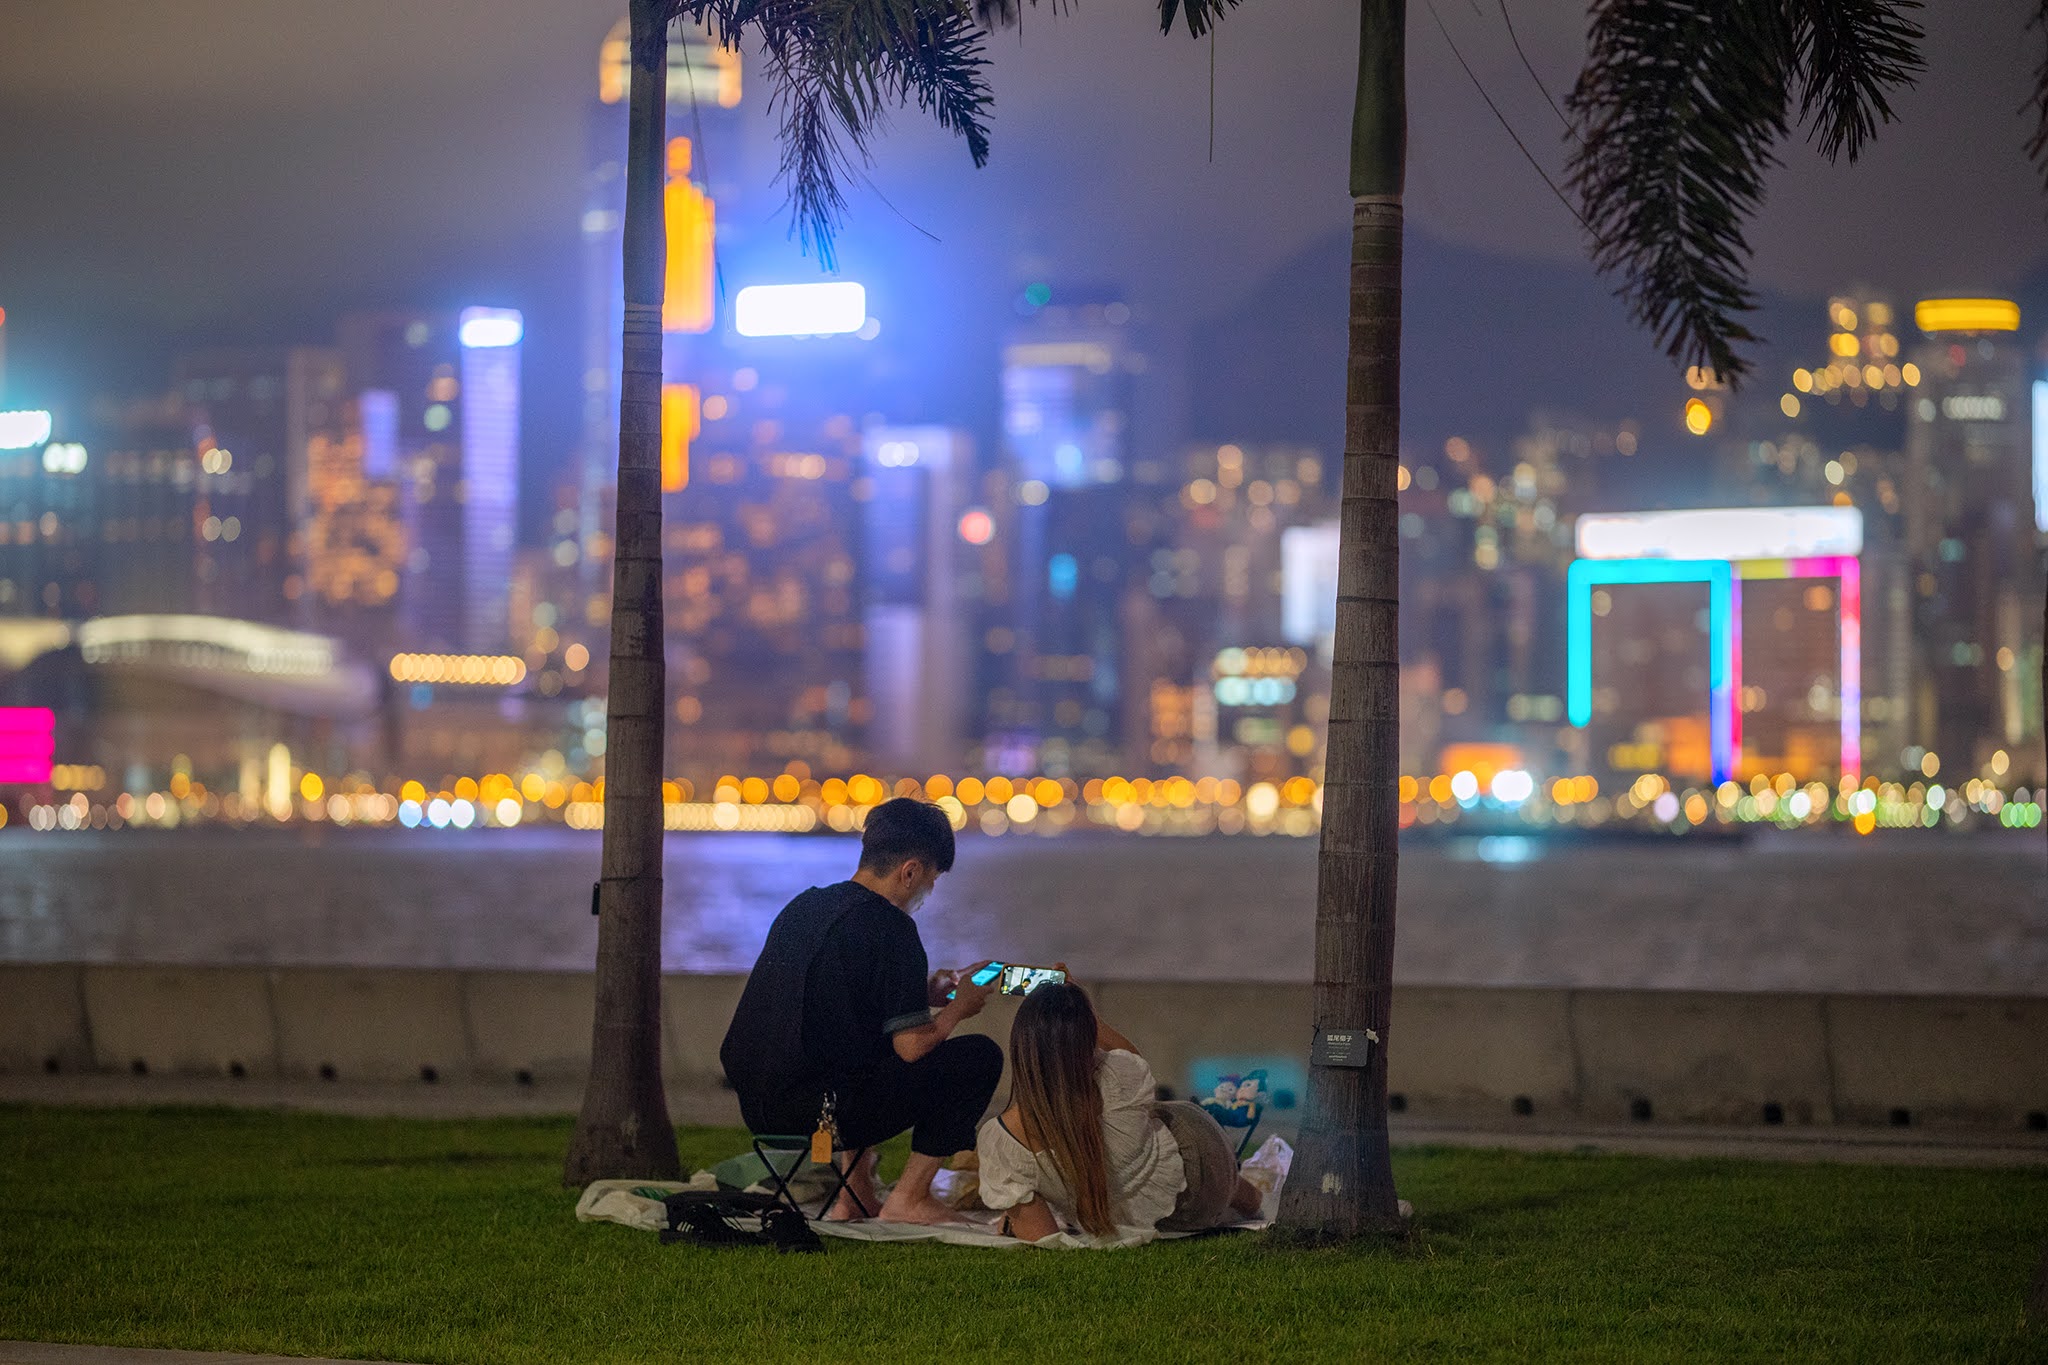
(827, 1137)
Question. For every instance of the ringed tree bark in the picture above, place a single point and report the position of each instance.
(623, 1130)
(1342, 1183)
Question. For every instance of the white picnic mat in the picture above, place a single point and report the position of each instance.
(638, 1204)
(1270, 1162)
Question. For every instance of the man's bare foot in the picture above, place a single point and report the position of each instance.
(926, 1211)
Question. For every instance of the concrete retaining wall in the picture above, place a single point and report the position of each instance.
(1456, 1052)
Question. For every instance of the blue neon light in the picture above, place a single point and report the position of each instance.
(1719, 576)
(1063, 573)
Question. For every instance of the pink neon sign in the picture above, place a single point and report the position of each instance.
(28, 739)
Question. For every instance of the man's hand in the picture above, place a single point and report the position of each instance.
(911, 1044)
(942, 982)
(968, 998)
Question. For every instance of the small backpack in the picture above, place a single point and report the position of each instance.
(736, 1218)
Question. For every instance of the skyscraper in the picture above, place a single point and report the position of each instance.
(914, 640)
(703, 85)
(251, 414)
(1971, 535)
(1056, 694)
(490, 340)
(440, 411)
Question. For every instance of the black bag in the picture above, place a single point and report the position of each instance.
(735, 1219)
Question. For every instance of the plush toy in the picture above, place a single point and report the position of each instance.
(1223, 1099)
(1251, 1093)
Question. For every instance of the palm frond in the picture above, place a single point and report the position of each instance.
(1679, 107)
(1850, 54)
(2037, 145)
(835, 70)
(1200, 15)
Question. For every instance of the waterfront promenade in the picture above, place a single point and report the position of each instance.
(1944, 913)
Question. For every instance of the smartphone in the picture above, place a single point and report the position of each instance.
(981, 978)
(1022, 980)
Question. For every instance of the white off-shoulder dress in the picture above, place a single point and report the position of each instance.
(1146, 1174)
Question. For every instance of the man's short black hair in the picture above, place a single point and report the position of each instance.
(906, 828)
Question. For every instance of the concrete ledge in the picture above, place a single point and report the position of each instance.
(1469, 1055)
(1940, 1059)
(1701, 1058)
(181, 1019)
(43, 1018)
(532, 1022)
(1457, 1051)
(383, 1025)
(695, 1011)
(1177, 1023)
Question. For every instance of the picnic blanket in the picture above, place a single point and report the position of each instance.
(1267, 1168)
(638, 1204)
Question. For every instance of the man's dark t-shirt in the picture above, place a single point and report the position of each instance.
(843, 970)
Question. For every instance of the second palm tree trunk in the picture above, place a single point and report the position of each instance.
(1342, 1182)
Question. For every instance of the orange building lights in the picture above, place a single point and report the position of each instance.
(687, 212)
(473, 670)
(680, 423)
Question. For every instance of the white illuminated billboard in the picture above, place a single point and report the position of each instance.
(1732, 533)
(2041, 454)
(1308, 584)
(24, 430)
(826, 308)
(485, 328)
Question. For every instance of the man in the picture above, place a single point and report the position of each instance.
(839, 1004)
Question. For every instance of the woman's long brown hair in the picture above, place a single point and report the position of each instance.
(1052, 1079)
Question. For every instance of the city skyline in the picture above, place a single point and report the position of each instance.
(1028, 570)
(1927, 211)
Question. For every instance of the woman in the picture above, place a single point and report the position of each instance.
(1084, 1143)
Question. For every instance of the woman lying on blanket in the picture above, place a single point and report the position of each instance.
(1085, 1145)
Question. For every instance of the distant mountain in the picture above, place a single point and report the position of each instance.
(1487, 341)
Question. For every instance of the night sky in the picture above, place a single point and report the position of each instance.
(231, 170)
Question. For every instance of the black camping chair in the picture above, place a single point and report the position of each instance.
(764, 1143)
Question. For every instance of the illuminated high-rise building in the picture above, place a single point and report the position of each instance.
(252, 415)
(49, 565)
(439, 415)
(703, 88)
(490, 340)
(1227, 652)
(915, 644)
(1972, 537)
(1054, 667)
(762, 598)
(416, 357)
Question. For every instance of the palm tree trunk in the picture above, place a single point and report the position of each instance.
(624, 1130)
(1342, 1183)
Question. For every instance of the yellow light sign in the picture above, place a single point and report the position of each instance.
(1967, 315)
(688, 214)
(679, 425)
(473, 670)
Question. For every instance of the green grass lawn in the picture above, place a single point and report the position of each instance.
(453, 1241)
